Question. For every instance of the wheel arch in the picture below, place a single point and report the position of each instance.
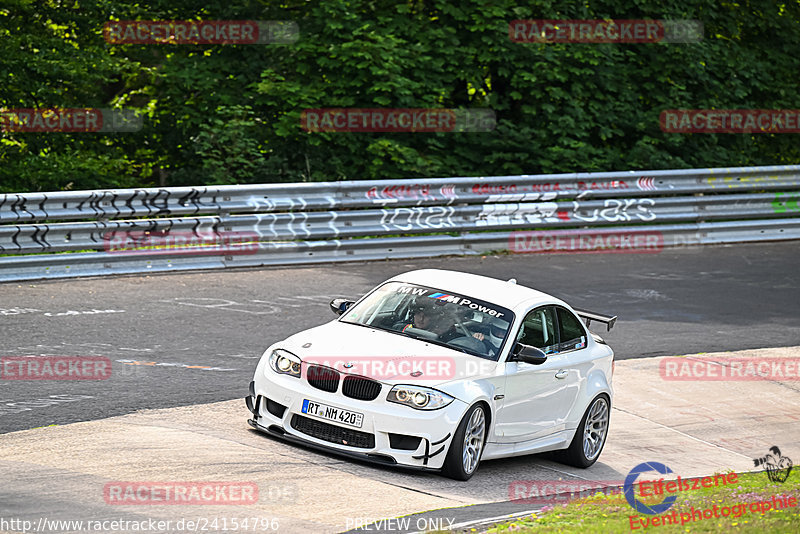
(596, 383)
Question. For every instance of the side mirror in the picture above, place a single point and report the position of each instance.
(529, 354)
(339, 306)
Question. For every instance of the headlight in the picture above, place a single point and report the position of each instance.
(418, 397)
(285, 363)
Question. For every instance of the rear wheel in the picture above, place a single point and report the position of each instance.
(590, 437)
(467, 445)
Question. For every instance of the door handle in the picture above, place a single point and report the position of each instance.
(562, 374)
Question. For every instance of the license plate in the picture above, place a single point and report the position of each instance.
(331, 413)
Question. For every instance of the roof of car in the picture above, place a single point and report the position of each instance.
(501, 292)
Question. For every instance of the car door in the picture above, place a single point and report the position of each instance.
(538, 398)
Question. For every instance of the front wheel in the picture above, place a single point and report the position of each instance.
(467, 445)
(591, 434)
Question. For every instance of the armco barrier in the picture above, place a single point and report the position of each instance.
(365, 220)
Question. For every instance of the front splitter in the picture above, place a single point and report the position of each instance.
(375, 459)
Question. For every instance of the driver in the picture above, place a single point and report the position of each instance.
(440, 319)
(425, 316)
(497, 332)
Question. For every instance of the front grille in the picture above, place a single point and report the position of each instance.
(333, 433)
(323, 378)
(360, 388)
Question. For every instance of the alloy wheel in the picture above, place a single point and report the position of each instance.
(594, 431)
(473, 440)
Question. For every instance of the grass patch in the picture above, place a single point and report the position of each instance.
(603, 514)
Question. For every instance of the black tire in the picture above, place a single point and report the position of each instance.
(454, 462)
(576, 455)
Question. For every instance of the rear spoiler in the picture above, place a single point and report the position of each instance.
(592, 316)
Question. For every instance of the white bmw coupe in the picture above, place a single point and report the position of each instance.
(439, 370)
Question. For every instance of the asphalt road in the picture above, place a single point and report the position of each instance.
(184, 339)
(60, 474)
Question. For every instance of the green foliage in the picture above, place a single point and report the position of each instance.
(227, 114)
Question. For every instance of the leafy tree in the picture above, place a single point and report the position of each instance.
(218, 114)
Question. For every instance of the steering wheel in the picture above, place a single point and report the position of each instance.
(463, 328)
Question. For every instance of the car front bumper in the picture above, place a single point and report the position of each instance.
(391, 434)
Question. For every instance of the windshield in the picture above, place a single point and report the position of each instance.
(459, 322)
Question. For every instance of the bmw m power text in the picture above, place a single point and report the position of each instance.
(439, 370)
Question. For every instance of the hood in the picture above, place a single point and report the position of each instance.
(384, 356)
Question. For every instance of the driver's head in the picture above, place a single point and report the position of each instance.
(424, 315)
(497, 331)
(432, 315)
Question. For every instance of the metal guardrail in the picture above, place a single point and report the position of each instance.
(175, 201)
(317, 222)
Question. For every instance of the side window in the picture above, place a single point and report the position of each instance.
(572, 333)
(538, 329)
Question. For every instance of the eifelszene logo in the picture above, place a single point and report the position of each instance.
(630, 482)
(776, 465)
